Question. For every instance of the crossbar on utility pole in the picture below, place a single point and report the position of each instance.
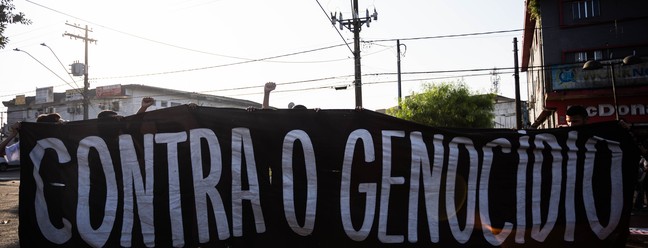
(354, 24)
(86, 84)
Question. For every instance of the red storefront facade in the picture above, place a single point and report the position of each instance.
(561, 37)
(632, 104)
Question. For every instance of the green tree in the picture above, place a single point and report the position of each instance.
(7, 16)
(447, 105)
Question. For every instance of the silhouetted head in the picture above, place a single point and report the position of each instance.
(576, 115)
(49, 118)
(107, 114)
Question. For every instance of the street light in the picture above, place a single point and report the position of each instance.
(57, 58)
(595, 65)
(18, 50)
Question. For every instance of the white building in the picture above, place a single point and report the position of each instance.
(505, 116)
(123, 99)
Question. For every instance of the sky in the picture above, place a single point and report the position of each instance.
(233, 47)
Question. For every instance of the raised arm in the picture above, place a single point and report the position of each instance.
(269, 86)
(146, 103)
(14, 132)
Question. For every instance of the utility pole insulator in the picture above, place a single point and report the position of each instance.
(355, 25)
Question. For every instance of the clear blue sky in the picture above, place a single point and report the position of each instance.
(212, 46)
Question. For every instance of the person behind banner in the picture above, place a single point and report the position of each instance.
(642, 183)
(576, 116)
(269, 87)
(13, 151)
(146, 103)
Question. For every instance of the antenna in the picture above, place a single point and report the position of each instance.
(495, 78)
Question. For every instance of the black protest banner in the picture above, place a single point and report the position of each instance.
(303, 178)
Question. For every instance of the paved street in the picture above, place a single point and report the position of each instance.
(11, 174)
(9, 186)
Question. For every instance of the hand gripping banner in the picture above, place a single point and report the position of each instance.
(213, 177)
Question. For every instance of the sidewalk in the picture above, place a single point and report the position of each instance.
(9, 213)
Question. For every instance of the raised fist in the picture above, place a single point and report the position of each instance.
(269, 86)
(147, 102)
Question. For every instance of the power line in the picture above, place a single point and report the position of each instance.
(249, 61)
(267, 59)
(132, 35)
(367, 83)
(448, 36)
(61, 63)
(242, 58)
(222, 65)
(41, 63)
(442, 71)
(256, 60)
(27, 92)
(502, 70)
(338, 31)
(321, 87)
(164, 43)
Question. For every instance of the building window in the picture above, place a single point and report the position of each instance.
(164, 104)
(581, 57)
(115, 106)
(585, 9)
(598, 55)
(585, 56)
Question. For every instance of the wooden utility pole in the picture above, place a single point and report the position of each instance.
(86, 84)
(398, 68)
(518, 103)
(355, 25)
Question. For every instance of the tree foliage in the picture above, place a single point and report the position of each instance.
(534, 9)
(447, 105)
(7, 17)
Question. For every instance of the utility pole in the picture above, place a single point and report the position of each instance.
(86, 84)
(2, 135)
(518, 103)
(398, 68)
(355, 25)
